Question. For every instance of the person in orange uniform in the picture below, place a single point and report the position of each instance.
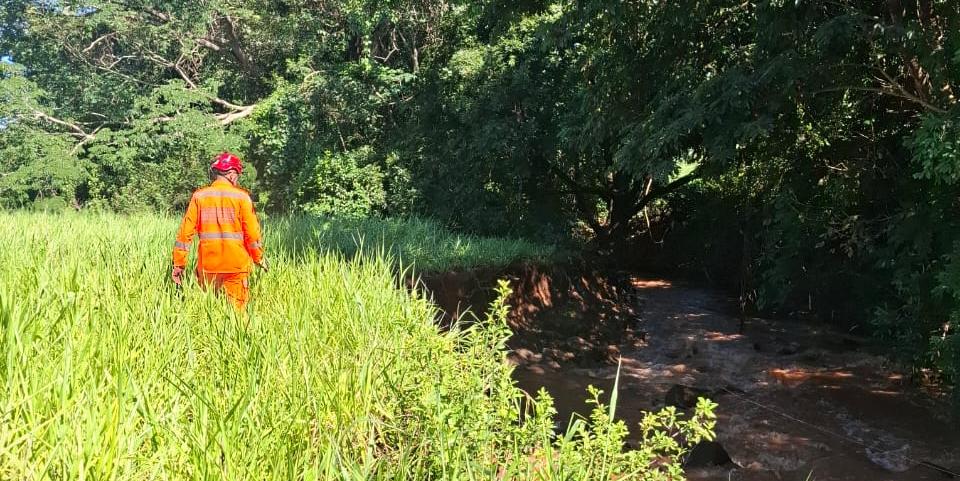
(222, 216)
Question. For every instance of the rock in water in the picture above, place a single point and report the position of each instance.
(684, 397)
(707, 453)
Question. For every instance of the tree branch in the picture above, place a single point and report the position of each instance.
(902, 95)
(236, 112)
(186, 78)
(239, 113)
(75, 130)
(98, 40)
(208, 44)
(236, 49)
(907, 95)
(573, 185)
(654, 194)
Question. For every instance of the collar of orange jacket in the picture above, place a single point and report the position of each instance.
(223, 182)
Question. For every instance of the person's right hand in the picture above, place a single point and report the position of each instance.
(177, 275)
(264, 265)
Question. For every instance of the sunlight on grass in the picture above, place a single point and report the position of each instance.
(109, 373)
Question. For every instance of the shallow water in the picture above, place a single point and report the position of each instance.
(795, 399)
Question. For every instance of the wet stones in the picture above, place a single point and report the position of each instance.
(689, 348)
(611, 353)
(789, 350)
(557, 355)
(578, 343)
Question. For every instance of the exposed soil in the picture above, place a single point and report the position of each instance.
(550, 306)
(795, 399)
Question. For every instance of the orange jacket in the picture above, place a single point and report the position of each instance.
(222, 216)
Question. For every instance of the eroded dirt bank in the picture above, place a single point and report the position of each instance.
(794, 399)
(549, 306)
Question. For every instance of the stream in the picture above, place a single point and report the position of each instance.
(797, 401)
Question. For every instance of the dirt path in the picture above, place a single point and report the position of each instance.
(794, 399)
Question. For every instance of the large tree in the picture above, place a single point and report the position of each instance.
(148, 91)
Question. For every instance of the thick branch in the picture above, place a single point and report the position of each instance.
(98, 40)
(186, 78)
(230, 117)
(414, 50)
(236, 49)
(75, 130)
(658, 193)
(904, 93)
(622, 221)
(208, 44)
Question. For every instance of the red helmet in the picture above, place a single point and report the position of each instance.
(227, 161)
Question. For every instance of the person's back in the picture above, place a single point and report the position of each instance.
(227, 227)
(222, 216)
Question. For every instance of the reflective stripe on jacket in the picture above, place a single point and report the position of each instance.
(222, 216)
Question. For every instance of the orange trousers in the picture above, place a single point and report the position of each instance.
(235, 285)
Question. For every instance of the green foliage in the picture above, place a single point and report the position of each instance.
(335, 372)
(823, 135)
(156, 166)
(346, 185)
(317, 141)
(936, 145)
(37, 166)
(34, 165)
(598, 441)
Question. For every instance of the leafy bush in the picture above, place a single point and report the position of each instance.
(344, 185)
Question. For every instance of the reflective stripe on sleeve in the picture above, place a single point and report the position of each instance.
(221, 235)
(256, 245)
(181, 245)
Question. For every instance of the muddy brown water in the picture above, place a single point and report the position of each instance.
(796, 401)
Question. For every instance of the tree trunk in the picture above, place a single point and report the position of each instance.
(624, 207)
(627, 201)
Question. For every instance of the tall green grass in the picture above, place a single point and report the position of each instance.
(109, 373)
(422, 243)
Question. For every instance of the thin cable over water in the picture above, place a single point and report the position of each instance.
(844, 437)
